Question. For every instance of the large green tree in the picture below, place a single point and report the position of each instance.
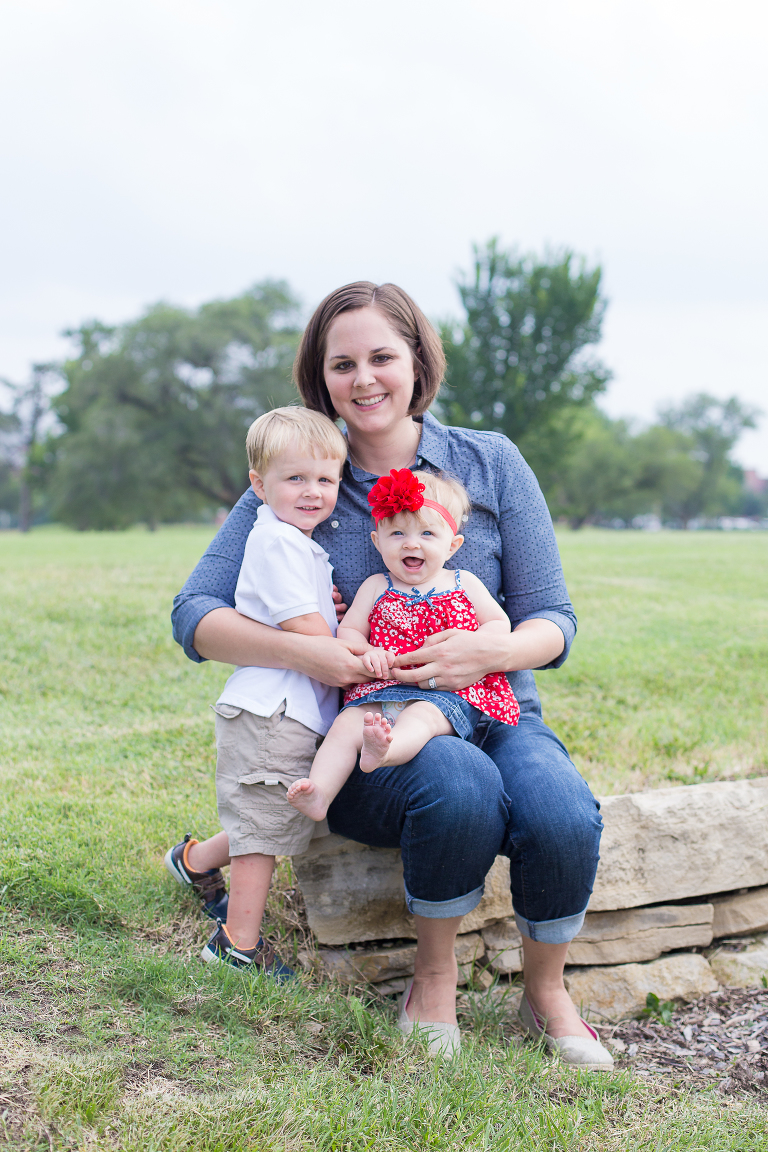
(517, 365)
(155, 412)
(711, 428)
(678, 468)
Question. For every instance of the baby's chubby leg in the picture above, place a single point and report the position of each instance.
(332, 765)
(415, 727)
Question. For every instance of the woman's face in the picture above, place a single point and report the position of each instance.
(369, 371)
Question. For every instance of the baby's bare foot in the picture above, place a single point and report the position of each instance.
(377, 737)
(307, 797)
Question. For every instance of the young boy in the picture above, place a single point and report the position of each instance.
(270, 721)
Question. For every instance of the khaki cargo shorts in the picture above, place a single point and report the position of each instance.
(258, 758)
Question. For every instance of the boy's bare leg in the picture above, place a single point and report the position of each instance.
(331, 767)
(211, 853)
(249, 880)
(415, 727)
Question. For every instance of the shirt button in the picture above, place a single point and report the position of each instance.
(334, 523)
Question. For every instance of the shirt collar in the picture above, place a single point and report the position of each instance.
(265, 515)
(433, 446)
(432, 449)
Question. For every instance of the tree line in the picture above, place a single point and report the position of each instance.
(146, 421)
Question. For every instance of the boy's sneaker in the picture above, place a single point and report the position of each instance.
(221, 950)
(209, 886)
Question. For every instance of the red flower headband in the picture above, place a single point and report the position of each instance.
(402, 492)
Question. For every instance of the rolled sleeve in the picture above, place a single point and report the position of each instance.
(187, 613)
(532, 574)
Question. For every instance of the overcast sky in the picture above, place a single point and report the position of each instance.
(183, 150)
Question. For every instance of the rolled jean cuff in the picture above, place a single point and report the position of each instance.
(443, 909)
(560, 931)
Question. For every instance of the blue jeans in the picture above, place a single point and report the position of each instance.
(454, 808)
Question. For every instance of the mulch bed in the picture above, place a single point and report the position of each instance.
(721, 1039)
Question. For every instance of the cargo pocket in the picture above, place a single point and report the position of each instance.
(263, 805)
(275, 780)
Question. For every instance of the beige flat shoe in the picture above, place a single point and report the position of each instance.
(577, 1050)
(441, 1039)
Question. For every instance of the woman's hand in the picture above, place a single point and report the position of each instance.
(456, 659)
(338, 604)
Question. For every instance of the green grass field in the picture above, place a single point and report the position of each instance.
(116, 1037)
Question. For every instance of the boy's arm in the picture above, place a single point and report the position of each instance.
(489, 613)
(310, 624)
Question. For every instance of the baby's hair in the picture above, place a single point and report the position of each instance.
(282, 428)
(445, 490)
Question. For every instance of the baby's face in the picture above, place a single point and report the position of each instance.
(415, 548)
(300, 489)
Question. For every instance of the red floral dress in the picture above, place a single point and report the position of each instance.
(403, 620)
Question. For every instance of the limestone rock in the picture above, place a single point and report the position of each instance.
(740, 913)
(640, 933)
(469, 949)
(502, 934)
(658, 846)
(674, 843)
(503, 944)
(471, 974)
(355, 893)
(496, 901)
(620, 991)
(376, 965)
(742, 969)
(372, 967)
(507, 961)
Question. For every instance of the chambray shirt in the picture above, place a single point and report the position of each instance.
(509, 541)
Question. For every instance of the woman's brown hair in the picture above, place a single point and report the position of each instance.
(406, 318)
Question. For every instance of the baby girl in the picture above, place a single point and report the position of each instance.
(417, 517)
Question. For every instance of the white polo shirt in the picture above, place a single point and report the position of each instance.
(284, 574)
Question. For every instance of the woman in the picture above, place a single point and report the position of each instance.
(370, 357)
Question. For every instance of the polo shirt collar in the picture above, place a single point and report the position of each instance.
(265, 515)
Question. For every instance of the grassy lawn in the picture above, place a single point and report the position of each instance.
(114, 1036)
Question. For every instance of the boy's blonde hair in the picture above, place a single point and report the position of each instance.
(445, 490)
(276, 431)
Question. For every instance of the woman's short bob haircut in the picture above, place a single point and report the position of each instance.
(406, 318)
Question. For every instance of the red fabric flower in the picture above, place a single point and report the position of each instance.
(398, 492)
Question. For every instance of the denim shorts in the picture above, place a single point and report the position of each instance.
(460, 714)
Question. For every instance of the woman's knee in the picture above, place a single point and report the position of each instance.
(459, 782)
(566, 823)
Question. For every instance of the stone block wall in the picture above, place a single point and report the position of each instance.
(679, 869)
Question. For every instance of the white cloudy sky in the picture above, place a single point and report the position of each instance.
(182, 150)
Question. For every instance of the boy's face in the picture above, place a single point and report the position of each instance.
(300, 489)
(415, 548)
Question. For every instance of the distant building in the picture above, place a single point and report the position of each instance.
(754, 483)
